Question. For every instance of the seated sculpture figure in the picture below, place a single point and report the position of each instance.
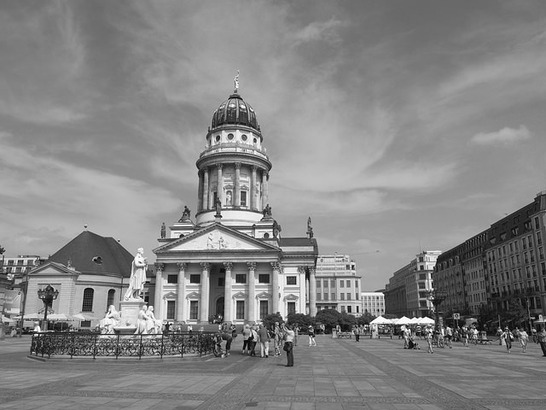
(142, 321)
(111, 320)
(153, 326)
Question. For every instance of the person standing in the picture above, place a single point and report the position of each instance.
(263, 336)
(246, 341)
(253, 340)
(542, 340)
(277, 339)
(356, 331)
(289, 345)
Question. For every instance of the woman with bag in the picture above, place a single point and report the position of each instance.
(288, 344)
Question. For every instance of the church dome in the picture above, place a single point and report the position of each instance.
(235, 111)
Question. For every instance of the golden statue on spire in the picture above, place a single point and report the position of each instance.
(236, 82)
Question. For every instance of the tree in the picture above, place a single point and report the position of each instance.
(269, 320)
(303, 321)
(366, 318)
(330, 318)
(347, 322)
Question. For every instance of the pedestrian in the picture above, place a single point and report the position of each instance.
(246, 341)
(311, 334)
(542, 340)
(507, 338)
(449, 336)
(288, 344)
(429, 333)
(296, 329)
(356, 331)
(263, 337)
(277, 339)
(523, 340)
(253, 341)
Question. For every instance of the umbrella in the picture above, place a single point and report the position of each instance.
(7, 320)
(78, 316)
(31, 316)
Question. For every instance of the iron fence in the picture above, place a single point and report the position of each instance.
(116, 345)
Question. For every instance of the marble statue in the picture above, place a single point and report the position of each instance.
(153, 325)
(142, 320)
(138, 276)
(111, 320)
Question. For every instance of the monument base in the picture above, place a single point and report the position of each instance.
(129, 313)
(125, 330)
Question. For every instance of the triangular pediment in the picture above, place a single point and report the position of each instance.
(53, 268)
(170, 295)
(193, 295)
(239, 295)
(291, 297)
(216, 238)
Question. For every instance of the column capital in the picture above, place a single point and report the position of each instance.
(237, 165)
(228, 266)
(301, 269)
(251, 266)
(254, 168)
(159, 267)
(205, 265)
(276, 265)
(219, 166)
(182, 266)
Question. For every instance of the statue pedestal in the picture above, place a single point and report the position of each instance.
(129, 312)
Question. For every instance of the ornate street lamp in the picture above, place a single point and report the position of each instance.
(437, 297)
(47, 295)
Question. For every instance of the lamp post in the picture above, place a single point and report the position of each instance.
(47, 295)
(437, 297)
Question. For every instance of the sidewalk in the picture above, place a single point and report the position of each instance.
(337, 374)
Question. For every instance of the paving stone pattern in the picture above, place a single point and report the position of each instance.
(337, 374)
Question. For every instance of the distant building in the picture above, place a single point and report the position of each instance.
(338, 284)
(90, 273)
(373, 303)
(407, 293)
(20, 264)
(502, 265)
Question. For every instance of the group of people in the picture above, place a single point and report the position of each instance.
(283, 337)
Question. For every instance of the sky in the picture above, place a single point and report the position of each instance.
(397, 126)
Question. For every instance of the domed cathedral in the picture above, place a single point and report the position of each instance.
(231, 263)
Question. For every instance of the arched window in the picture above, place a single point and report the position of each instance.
(111, 296)
(87, 305)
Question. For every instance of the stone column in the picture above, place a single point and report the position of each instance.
(158, 300)
(265, 188)
(200, 191)
(181, 291)
(228, 302)
(312, 292)
(251, 307)
(204, 299)
(206, 189)
(220, 184)
(253, 189)
(237, 189)
(275, 288)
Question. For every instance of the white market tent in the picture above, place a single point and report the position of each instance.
(425, 321)
(380, 320)
(402, 321)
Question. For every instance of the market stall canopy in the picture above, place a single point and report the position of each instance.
(425, 321)
(58, 317)
(402, 321)
(380, 320)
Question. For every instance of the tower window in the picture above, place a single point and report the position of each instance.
(230, 137)
(243, 198)
(244, 137)
(217, 138)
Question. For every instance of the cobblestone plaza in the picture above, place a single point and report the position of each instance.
(337, 374)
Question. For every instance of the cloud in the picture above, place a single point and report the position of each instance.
(504, 136)
(319, 31)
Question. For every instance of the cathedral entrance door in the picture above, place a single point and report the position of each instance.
(220, 307)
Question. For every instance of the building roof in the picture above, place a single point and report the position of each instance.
(90, 253)
(235, 111)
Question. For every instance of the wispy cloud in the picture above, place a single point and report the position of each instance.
(504, 136)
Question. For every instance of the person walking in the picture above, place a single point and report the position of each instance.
(429, 334)
(542, 340)
(523, 340)
(288, 344)
(311, 334)
(253, 340)
(263, 337)
(356, 331)
(507, 337)
(277, 339)
(449, 336)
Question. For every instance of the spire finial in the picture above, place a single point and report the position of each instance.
(236, 82)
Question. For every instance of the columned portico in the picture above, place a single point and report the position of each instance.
(181, 291)
(205, 291)
(228, 302)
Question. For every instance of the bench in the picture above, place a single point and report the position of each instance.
(346, 335)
